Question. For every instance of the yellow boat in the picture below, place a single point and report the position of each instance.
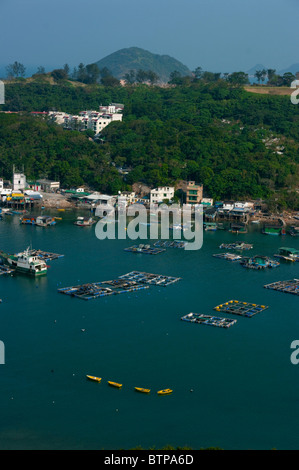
(114, 384)
(142, 390)
(166, 391)
(95, 379)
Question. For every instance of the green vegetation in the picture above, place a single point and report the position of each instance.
(236, 143)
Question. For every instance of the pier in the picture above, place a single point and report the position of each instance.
(209, 320)
(236, 307)
(289, 287)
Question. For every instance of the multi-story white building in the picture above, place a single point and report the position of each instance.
(160, 194)
(18, 181)
(94, 120)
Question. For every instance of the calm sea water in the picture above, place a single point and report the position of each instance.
(245, 388)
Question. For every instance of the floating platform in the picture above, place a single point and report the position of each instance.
(170, 244)
(5, 270)
(145, 249)
(101, 289)
(259, 262)
(149, 278)
(228, 256)
(209, 320)
(236, 307)
(45, 255)
(236, 246)
(289, 287)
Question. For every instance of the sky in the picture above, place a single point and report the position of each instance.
(217, 35)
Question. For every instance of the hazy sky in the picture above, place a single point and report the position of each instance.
(218, 35)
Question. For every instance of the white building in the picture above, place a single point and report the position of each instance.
(18, 181)
(161, 193)
(94, 120)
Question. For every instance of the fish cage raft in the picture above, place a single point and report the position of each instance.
(289, 287)
(149, 278)
(209, 320)
(102, 289)
(236, 307)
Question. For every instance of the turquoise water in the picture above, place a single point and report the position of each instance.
(245, 388)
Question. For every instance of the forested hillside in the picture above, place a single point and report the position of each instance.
(236, 143)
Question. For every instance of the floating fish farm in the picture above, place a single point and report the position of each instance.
(236, 307)
(170, 244)
(289, 287)
(101, 289)
(149, 278)
(228, 256)
(145, 249)
(259, 262)
(236, 246)
(209, 320)
(45, 255)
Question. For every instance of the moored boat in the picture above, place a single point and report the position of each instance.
(84, 221)
(95, 379)
(25, 262)
(114, 384)
(142, 390)
(166, 391)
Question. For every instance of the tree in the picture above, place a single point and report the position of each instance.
(141, 76)
(152, 77)
(81, 73)
(198, 73)
(238, 78)
(40, 70)
(16, 70)
(130, 77)
(175, 78)
(288, 78)
(66, 68)
(271, 74)
(59, 74)
(260, 75)
(92, 73)
(110, 81)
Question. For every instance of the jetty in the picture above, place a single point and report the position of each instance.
(145, 249)
(209, 320)
(289, 287)
(101, 289)
(236, 307)
(149, 278)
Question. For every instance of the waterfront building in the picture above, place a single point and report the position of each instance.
(161, 194)
(194, 193)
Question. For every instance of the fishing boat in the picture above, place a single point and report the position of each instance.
(28, 219)
(210, 226)
(25, 262)
(45, 221)
(142, 390)
(95, 379)
(166, 391)
(294, 231)
(84, 221)
(114, 384)
(272, 230)
(288, 254)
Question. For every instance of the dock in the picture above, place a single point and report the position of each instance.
(145, 249)
(289, 287)
(209, 320)
(149, 278)
(101, 289)
(236, 307)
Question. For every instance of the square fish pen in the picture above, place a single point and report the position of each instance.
(236, 307)
(149, 278)
(209, 320)
(145, 249)
(289, 287)
(101, 289)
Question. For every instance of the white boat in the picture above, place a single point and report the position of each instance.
(84, 221)
(25, 262)
(44, 221)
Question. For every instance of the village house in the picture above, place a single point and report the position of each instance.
(161, 194)
(194, 193)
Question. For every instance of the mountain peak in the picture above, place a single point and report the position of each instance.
(134, 58)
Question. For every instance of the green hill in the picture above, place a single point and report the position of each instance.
(135, 58)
